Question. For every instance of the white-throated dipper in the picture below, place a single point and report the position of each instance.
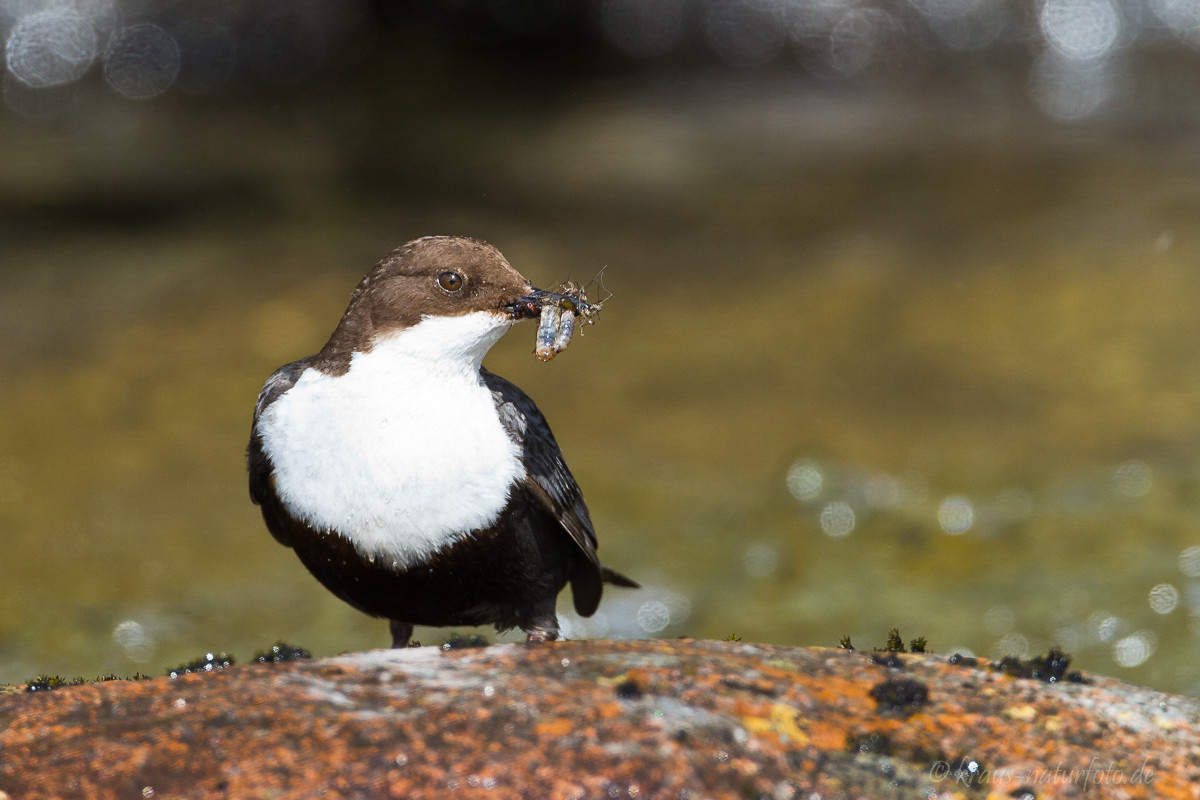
(413, 483)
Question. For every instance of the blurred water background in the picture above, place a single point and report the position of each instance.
(903, 328)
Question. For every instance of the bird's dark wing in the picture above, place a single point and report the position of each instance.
(549, 483)
(262, 490)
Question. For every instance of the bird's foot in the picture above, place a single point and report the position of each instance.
(539, 635)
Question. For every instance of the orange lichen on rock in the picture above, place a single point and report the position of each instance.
(554, 727)
(602, 719)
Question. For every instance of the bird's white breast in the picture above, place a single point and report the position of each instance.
(404, 453)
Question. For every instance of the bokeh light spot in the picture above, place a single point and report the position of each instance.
(1132, 480)
(1080, 30)
(653, 616)
(860, 41)
(744, 33)
(141, 61)
(837, 519)
(135, 639)
(1133, 650)
(760, 560)
(1181, 16)
(964, 24)
(50, 48)
(1189, 561)
(805, 480)
(1106, 627)
(1011, 644)
(955, 515)
(1164, 598)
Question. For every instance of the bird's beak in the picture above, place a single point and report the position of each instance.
(530, 305)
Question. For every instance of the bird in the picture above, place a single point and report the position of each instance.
(413, 483)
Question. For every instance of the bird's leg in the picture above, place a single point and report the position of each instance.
(401, 632)
(542, 625)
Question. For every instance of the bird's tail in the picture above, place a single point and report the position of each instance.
(610, 575)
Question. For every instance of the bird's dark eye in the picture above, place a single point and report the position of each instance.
(450, 281)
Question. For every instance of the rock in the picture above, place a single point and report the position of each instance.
(596, 719)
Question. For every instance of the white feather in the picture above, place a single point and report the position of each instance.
(404, 453)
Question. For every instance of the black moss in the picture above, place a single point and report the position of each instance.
(900, 697)
(1050, 668)
(888, 655)
(281, 652)
(628, 689)
(894, 645)
(209, 662)
(48, 683)
(457, 641)
(885, 659)
(959, 660)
